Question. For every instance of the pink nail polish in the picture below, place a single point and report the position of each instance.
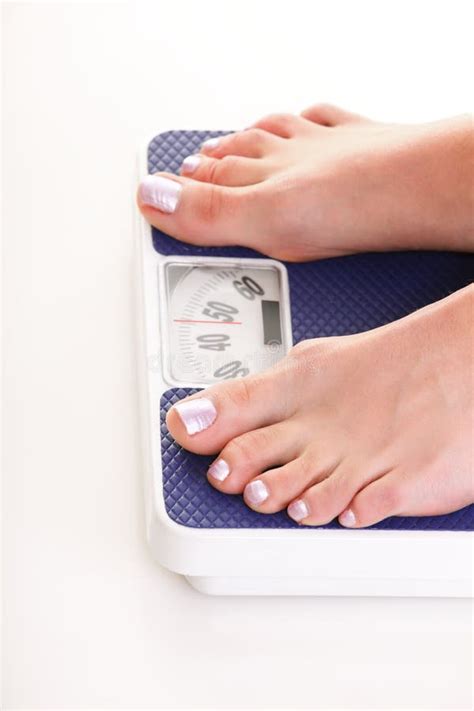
(160, 192)
(211, 143)
(347, 518)
(196, 415)
(298, 510)
(219, 470)
(256, 492)
(190, 164)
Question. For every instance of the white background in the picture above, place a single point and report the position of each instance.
(89, 620)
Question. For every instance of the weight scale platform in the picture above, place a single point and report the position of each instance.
(214, 540)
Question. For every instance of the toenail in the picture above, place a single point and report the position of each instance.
(298, 510)
(190, 164)
(219, 470)
(347, 518)
(196, 415)
(256, 492)
(160, 192)
(211, 143)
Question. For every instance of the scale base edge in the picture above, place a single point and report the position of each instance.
(321, 587)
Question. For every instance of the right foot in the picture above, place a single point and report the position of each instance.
(322, 184)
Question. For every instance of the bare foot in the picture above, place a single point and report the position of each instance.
(321, 184)
(358, 427)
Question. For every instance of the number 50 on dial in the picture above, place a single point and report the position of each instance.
(222, 318)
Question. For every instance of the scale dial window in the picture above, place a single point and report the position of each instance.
(224, 319)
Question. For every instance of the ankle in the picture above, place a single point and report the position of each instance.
(440, 180)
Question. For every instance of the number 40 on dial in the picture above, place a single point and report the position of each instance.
(223, 319)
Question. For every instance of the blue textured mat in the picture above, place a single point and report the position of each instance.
(328, 297)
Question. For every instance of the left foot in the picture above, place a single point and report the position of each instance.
(358, 427)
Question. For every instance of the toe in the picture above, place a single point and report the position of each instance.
(329, 115)
(208, 420)
(248, 455)
(321, 503)
(282, 125)
(380, 499)
(252, 143)
(275, 488)
(197, 212)
(231, 170)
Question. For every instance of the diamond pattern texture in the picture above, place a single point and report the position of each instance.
(329, 297)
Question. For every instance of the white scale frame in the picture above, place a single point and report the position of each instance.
(303, 561)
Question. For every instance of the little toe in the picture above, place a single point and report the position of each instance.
(282, 125)
(322, 502)
(378, 500)
(251, 453)
(329, 115)
(252, 143)
(233, 171)
(208, 420)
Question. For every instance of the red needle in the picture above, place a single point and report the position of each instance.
(190, 320)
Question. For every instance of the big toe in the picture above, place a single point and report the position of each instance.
(206, 422)
(199, 212)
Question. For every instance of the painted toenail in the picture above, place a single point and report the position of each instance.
(256, 492)
(160, 192)
(196, 415)
(347, 518)
(190, 164)
(211, 143)
(219, 470)
(298, 510)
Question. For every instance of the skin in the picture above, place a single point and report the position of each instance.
(380, 422)
(358, 427)
(336, 182)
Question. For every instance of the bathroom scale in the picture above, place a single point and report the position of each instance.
(209, 314)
